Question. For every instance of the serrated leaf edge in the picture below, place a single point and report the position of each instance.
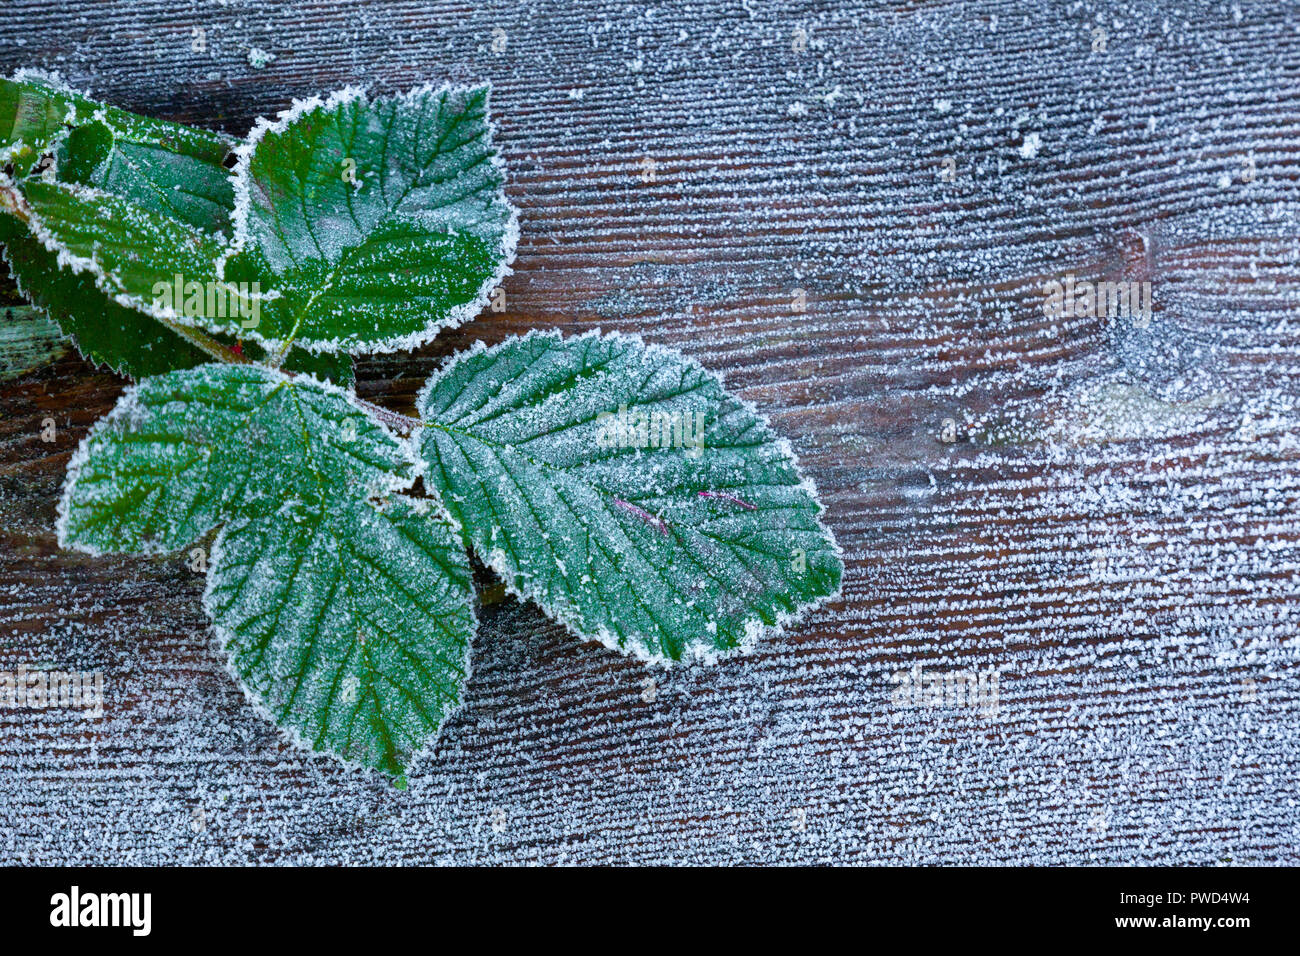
(52, 79)
(103, 278)
(129, 404)
(284, 119)
(40, 230)
(55, 80)
(223, 637)
(635, 644)
(119, 369)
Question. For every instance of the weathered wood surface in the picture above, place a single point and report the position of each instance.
(1115, 527)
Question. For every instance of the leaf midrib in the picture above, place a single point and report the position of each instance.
(337, 267)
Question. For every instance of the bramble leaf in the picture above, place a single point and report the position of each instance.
(351, 626)
(377, 222)
(620, 487)
(166, 168)
(344, 607)
(192, 187)
(132, 202)
(131, 250)
(33, 111)
(163, 167)
(126, 341)
(36, 109)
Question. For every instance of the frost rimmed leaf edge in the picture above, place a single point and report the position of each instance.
(241, 177)
(40, 231)
(755, 628)
(235, 243)
(128, 404)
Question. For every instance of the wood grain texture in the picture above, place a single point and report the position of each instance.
(1114, 529)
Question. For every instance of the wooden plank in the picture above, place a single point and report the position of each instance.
(1113, 531)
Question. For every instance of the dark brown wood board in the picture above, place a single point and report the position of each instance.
(1102, 513)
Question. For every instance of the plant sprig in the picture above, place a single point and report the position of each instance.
(617, 485)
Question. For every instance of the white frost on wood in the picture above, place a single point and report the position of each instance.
(1116, 529)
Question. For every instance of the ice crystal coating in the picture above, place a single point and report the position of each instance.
(377, 222)
(620, 487)
(344, 607)
(169, 169)
(119, 191)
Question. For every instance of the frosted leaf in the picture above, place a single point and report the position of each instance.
(165, 170)
(620, 487)
(321, 576)
(351, 625)
(158, 167)
(174, 169)
(130, 249)
(36, 108)
(32, 113)
(377, 222)
(126, 341)
(147, 167)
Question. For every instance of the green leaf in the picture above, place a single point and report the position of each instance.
(194, 188)
(351, 626)
(378, 222)
(36, 109)
(165, 169)
(134, 253)
(33, 111)
(137, 205)
(344, 607)
(692, 539)
(124, 340)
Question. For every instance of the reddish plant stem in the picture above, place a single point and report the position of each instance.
(390, 417)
